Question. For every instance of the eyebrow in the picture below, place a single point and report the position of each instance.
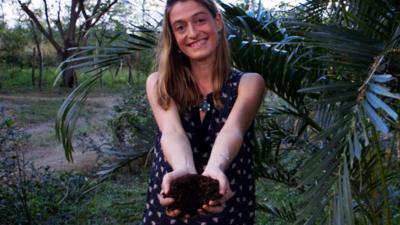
(194, 15)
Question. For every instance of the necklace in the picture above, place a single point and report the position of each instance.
(204, 105)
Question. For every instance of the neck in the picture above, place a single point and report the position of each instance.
(202, 72)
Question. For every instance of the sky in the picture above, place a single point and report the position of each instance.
(11, 13)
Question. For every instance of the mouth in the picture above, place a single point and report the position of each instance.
(197, 43)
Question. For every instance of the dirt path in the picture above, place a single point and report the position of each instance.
(43, 149)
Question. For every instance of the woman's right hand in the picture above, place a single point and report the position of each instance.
(166, 185)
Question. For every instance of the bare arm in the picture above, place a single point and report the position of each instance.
(174, 142)
(230, 138)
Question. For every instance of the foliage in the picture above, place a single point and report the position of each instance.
(132, 131)
(28, 195)
(12, 46)
(11, 140)
(328, 74)
(332, 66)
(106, 59)
(18, 79)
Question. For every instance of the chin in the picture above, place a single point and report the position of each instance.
(200, 55)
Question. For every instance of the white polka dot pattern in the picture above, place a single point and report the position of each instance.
(239, 209)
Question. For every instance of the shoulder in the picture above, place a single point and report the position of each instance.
(151, 87)
(151, 83)
(251, 81)
(152, 79)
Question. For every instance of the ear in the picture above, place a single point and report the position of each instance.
(219, 21)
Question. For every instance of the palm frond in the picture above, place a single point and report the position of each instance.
(93, 61)
(327, 66)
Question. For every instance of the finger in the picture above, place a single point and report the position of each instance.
(223, 186)
(165, 201)
(173, 213)
(214, 209)
(226, 197)
(166, 182)
(223, 199)
(215, 202)
(203, 212)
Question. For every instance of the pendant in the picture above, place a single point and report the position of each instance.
(204, 106)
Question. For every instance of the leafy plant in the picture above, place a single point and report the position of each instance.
(132, 134)
(329, 74)
(332, 65)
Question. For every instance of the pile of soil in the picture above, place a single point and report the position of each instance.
(191, 192)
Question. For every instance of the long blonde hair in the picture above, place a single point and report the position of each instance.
(175, 80)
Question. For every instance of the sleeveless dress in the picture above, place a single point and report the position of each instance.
(240, 209)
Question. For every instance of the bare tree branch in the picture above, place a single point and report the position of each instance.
(46, 12)
(86, 27)
(74, 15)
(84, 13)
(105, 10)
(39, 26)
(58, 21)
(96, 7)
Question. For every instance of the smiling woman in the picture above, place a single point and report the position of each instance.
(204, 110)
(195, 30)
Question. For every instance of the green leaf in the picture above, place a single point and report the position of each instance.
(321, 88)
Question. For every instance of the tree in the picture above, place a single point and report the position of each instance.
(71, 34)
(12, 44)
(38, 48)
(334, 67)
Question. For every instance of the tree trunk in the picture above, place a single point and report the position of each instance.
(98, 44)
(33, 65)
(129, 64)
(138, 58)
(40, 57)
(40, 69)
(70, 79)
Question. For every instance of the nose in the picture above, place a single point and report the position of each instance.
(192, 31)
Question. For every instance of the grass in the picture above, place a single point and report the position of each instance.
(276, 194)
(33, 111)
(17, 80)
(30, 111)
(119, 200)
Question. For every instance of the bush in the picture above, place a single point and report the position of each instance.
(29, 195)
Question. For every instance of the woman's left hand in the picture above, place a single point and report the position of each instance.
(217, 206)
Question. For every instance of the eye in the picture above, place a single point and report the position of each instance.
(180, 28)
(200, 20)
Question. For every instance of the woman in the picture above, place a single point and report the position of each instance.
(204, 111)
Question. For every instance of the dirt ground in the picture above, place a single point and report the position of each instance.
(44, 150)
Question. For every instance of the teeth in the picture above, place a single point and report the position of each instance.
(197, 43)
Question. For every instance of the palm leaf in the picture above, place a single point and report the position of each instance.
(93, 61)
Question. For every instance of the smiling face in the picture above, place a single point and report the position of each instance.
(195, 29)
